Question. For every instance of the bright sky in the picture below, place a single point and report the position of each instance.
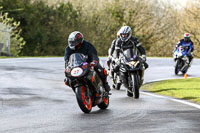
(183, 3)
(180, 3)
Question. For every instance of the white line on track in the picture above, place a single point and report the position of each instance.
(173, 99)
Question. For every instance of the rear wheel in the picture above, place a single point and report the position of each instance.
(185, 69)
(83, 99)
(104, 104)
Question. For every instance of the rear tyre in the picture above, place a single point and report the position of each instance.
(84, 102)
(104, 104)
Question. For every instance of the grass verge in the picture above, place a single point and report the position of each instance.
(7, 57)
(188, 89)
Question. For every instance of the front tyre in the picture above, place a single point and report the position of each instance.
(84, 102)
(104, 104)
(177, 66)
(136, 80)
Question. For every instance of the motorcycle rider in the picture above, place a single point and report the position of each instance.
(126, 41)
(111, 50)
(77, 44)
(186, 42)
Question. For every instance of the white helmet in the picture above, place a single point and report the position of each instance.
(75, 39)
(125, 33)
(118, 34)
(187, 37)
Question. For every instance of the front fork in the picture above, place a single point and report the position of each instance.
(131, 82)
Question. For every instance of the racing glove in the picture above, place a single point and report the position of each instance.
(144, 57)
(94, 63)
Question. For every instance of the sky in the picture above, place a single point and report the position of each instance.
(180, 3)
(183, 3)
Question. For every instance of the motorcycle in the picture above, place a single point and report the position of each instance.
(181, 59)
(86, 84)
(114, 74)
(131, 72)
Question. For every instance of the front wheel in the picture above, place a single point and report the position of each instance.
(136, 86)
(177, 69)
(84, 99)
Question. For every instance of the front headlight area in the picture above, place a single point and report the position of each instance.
(132, 63)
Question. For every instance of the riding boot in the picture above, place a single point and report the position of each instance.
(68, 82)
(146, 65)
(107, 89)
(190, 60)
(103, 76)
(106, 86)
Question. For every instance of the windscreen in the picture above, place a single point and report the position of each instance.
(76, 59)
(130, 54)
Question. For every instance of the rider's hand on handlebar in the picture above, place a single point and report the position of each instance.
(67, 70)
(144, 57)
(94, 63)
(188, 53)
(117, 61)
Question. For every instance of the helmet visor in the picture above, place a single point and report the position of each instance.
(124, 36)
(187, 39)
(72, 44)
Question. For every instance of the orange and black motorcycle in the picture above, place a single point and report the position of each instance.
(86, 83)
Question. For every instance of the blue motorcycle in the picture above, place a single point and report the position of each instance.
(181, 59)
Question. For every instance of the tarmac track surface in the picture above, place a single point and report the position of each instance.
(33, 98)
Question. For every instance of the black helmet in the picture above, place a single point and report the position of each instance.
(74, 39)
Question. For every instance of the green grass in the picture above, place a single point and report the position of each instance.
(6, 57)
(188, 89)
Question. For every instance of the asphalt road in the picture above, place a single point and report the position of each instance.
(33, 98)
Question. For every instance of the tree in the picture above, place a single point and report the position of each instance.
(190, 23)
(17, 41)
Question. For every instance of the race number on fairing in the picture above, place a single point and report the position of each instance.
(76, 72)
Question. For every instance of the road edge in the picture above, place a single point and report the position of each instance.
(168, 97)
